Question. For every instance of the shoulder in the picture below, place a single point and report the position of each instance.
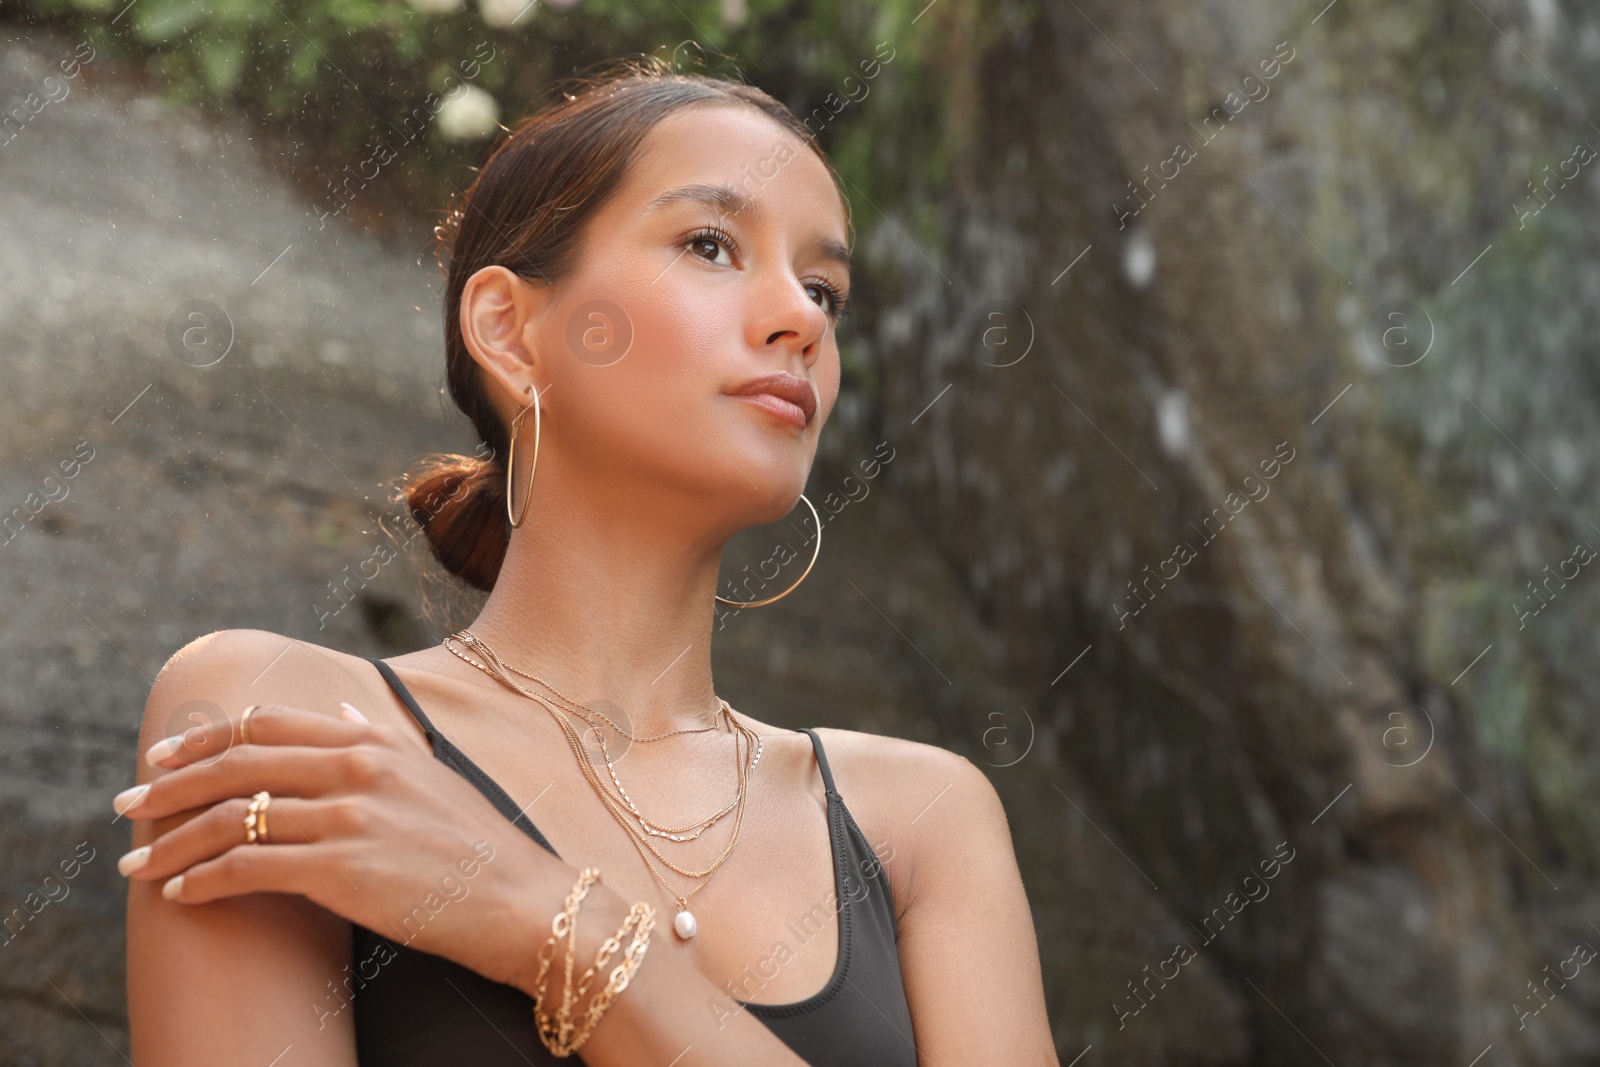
(907, 777)
(923, 802)
(221, 673)
(227, 649)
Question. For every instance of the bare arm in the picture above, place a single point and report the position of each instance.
(236, 980)
(968, 952)
(225, 972)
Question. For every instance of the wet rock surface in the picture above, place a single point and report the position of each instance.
(227, 485)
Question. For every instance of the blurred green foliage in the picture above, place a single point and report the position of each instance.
(354, 62)
(327, 77)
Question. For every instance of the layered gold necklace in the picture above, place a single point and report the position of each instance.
(747, 754)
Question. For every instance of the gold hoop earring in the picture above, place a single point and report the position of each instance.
(814, 553)
(511, 458)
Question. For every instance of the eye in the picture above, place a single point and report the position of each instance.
(711, 237)
(838, 299)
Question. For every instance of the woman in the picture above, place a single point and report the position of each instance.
(367, 865)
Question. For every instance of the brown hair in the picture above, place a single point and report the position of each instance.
(527, 210)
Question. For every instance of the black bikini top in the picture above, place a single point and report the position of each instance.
(415, 1009)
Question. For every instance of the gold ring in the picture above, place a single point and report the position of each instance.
(255, 819)
(244, 724)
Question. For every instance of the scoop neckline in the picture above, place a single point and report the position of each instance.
(835, 847)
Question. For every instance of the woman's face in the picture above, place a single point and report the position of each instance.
(684, 294)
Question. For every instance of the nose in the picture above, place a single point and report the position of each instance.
(785, 316)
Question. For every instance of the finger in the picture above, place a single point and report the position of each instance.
(248, 769)
(268, 724)
(302, 869)
(289, 820)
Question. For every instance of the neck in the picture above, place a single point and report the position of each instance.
(613, 609)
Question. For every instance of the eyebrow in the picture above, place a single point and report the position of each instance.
(730, 201)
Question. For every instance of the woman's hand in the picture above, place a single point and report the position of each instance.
(364, 822)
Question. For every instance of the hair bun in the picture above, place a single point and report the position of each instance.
(460, 503)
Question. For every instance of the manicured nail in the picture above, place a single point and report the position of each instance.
(351, 713)
(162, 749)
(133, 860)
(173, 887)
(128, 798)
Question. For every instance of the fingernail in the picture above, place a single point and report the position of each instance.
(173, 887)
(162, 749)
(134, 860)
(351, 713)
(128, 798)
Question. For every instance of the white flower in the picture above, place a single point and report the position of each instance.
(437, 7)
(1139, 258)
(468, 114)
(503, 13)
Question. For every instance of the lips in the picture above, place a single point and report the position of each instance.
(791, 390)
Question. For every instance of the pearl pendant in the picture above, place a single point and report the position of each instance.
(684, 924)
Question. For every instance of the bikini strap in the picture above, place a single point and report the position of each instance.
(405, 695)
(432, 733)
(822, 759)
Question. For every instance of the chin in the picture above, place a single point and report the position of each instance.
(778, 492)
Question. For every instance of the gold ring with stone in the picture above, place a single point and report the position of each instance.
(255, 819)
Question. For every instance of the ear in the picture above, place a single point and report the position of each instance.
(499, 317)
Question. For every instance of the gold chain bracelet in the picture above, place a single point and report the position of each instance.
(622, 974)
(560, 927)
(559, 1033)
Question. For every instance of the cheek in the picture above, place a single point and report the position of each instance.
(640, 360)
(684, 336)
(685, 340)
(676, 322)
